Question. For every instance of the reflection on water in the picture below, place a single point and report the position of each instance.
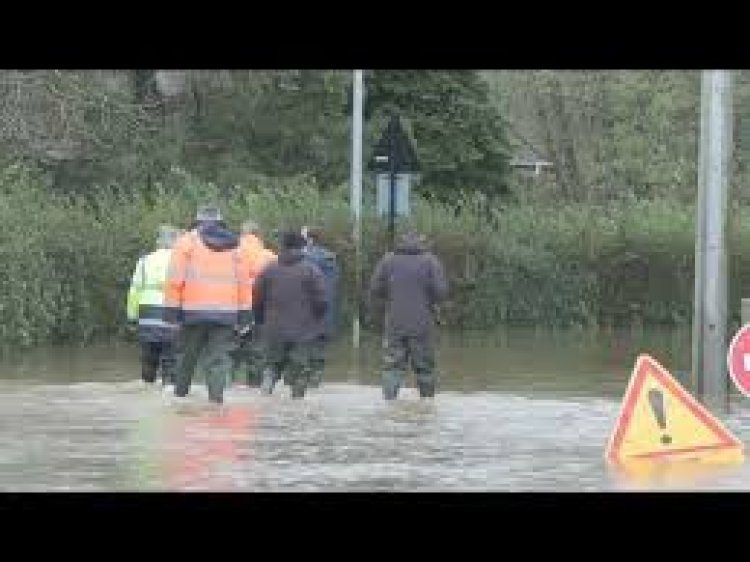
(204, 448)
(520, 410)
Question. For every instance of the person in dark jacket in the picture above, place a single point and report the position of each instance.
(289, 302)
(412, 282)
(327, 262)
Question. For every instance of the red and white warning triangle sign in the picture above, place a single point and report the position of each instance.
(660, 421)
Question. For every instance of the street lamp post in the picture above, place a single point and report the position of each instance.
(356, 195)
(394, 158)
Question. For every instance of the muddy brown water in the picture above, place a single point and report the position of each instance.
(518, 410)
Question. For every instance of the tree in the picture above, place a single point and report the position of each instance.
(276, 123)
(458, 133)
(609, 133)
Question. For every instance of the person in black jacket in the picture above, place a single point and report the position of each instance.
(289, 301)
(412, 282)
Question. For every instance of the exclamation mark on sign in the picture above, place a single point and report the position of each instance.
(656, 399)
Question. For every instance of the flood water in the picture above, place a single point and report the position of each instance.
(518, 410)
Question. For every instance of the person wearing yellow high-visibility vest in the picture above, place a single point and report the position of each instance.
(145, 306)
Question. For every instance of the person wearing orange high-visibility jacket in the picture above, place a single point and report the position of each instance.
(259, 256)
(207, 294)
(249, 350)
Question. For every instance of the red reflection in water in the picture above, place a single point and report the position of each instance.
(203, 447)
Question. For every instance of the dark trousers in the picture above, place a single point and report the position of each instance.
(292, 359)
(209, 344)
(399, 351)
(156, 356)
(317, 360)
(248, 361)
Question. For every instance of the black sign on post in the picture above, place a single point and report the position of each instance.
(393, 154)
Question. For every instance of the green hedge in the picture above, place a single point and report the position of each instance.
(66, 262)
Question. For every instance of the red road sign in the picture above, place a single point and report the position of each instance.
(738, 360)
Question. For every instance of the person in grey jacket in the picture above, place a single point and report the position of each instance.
(412, 282)
(327, 262)
(289, 302)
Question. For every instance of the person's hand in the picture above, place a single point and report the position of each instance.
(131, 329)
(243, 330)
(438, 315)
